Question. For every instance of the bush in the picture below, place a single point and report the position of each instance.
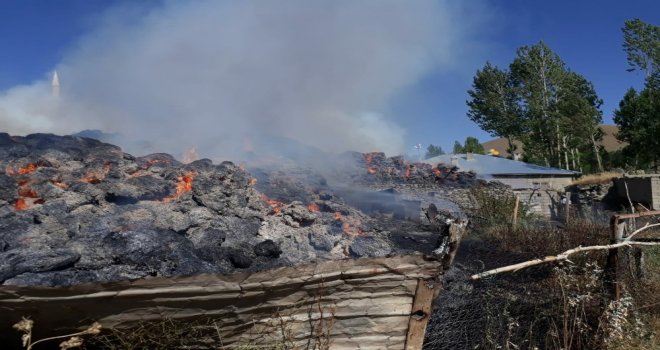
(493, 207)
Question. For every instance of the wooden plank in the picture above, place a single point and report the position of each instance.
(368, 300)
(638, 215)
(420, 314)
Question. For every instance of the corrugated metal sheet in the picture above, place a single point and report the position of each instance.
(485, 166)
(370, 301)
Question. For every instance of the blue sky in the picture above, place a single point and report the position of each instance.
(36, 35)
(586, 35)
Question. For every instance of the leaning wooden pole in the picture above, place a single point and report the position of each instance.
(567, 207)
(421, 313)
(515, 213)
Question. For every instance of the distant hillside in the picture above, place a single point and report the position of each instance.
(609, 141)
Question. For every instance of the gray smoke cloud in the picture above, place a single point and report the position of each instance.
(217, 74)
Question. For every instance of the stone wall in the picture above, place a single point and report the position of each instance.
(536, 182)
(594, 201)
(644, 189)
(543, 202)
(542, 195)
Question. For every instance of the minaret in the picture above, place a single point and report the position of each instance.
(55, 85)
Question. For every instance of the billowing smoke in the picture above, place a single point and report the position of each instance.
(217, 75)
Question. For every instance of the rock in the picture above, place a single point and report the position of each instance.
(268, 248)
(239, 258)
(18, 261)
(368, 247)
(321, 241)
(297, 212)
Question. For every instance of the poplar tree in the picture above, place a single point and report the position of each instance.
(472, 145)
(539, 101)
(638, 115)
(433, 151)
(494, 104)
(641, 42)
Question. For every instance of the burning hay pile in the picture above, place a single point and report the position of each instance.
(76, 210)
(395, 170)
(76, 214)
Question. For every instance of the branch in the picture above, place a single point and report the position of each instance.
(562, 256)
(640, 230)
(627, 242)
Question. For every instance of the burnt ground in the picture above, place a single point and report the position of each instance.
(76, 210)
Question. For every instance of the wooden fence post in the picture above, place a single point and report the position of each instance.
(567, 207)
(515, 212)
(617, 228)
(421, 313)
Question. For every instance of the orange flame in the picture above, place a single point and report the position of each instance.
(275, 206)
(30, 168)
(368, 158)
(27, 192)
(94, 177)
(27, 169)
(349, 225)
(26, 196)
(437, 171)
(184, 184)
(20, 204)
(408, 171)
(351, 229)
(313, 207)
(59, 184)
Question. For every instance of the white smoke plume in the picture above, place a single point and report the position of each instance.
(212, 74)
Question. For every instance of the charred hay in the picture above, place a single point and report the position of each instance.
(76, 210)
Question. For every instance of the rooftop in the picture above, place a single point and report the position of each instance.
(485, 166)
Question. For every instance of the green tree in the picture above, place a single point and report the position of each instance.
(458, 148)
(494, 104)
(472, 145)
(539, 101)
(638, 117)
(579, 115)
(433, 151)
(641, 42)
(537, 72)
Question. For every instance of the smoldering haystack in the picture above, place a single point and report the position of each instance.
(75, 210)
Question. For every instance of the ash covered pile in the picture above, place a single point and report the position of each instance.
(395, 170)
(76, 210)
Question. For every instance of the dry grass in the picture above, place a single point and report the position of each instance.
(73, 340)
(566, 307)
(494, 209)
(205, 333)
(596, 179)
(162, 334)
